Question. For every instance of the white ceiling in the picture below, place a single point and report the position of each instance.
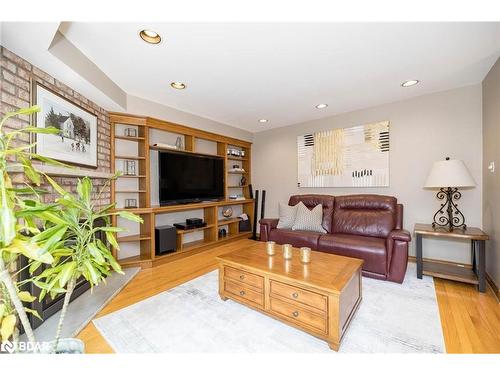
(239, 73)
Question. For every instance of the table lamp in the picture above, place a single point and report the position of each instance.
(447, 176)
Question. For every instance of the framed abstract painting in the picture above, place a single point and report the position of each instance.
(347, 157)
(76, 142)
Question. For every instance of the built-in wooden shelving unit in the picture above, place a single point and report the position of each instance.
(140, 187)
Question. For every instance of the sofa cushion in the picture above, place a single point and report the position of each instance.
(287, 216)
(371, 249)
(365, 215)
(312, 200)
(309, 220)
(297, 238)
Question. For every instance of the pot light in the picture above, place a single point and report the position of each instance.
(178, 85)
(263, 120)
(321, 106)
(150, 36)
(409, 83)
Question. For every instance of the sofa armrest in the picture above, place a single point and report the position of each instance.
(400, 235)
(266, 225)
(397, 254)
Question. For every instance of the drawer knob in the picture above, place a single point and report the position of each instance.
(242, 277)
(242, 293)
(295, 295)
(295, 314)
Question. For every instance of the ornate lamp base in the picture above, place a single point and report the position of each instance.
(448, 214)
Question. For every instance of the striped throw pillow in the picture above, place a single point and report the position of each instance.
(309, 220)
(287, 216)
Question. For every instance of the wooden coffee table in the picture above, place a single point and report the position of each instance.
(319, 298)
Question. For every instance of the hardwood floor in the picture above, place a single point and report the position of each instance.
(470, 320)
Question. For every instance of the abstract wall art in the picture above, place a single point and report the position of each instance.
(348, 157)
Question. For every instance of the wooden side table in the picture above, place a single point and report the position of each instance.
(474, 275)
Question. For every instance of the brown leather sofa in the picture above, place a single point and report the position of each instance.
(365, 226)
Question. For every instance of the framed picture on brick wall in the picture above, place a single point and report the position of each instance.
(76, 142)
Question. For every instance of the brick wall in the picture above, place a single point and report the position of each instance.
(15, 92)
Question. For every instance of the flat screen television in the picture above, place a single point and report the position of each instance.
(187, 178)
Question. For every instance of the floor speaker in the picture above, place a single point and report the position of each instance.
(165, 239)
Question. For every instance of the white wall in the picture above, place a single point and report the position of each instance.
(422, 130)
(491, 152)
(140, 106)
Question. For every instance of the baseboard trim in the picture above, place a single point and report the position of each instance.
(489, 279)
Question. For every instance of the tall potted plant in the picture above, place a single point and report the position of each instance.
(61, 235)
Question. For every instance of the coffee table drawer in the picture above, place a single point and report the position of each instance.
(242, 291)
(299, 315)
(293, 293)
(244, 277)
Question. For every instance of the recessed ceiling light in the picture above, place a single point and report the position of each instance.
(263, 120)
(409, 83)
(321, 106)
(150, 36)
(178, 85)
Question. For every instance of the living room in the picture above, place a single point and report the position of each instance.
(250, 187)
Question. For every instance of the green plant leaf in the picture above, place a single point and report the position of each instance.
(7, 328)
(33, 312)
(25, 296)
(110, 229)
(96, 254)
(92, 272)
(30, 250)
(66, 273)
(130, 216)
(3, 308)
(55, 185)
(7, 217)
(112, 240)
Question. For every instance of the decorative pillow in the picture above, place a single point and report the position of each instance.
(287, 216)
(309, 220)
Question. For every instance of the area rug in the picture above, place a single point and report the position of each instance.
(392, 318)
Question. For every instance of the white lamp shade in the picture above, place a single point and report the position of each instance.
(449, 173)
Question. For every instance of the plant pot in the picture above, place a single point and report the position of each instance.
(69, 346)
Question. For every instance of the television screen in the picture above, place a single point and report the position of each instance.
(187, 177)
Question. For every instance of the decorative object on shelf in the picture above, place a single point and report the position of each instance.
(165, 145)
(270, 248)
(244, 225)
(235, 152)
(236, 197)
(227, 212)
(351, 157)
(243, 181)
(447, 176)
(237, 168)
(287, 251)
(178, 143)
(130, 132)
(222, 232)
(305, 255)
(76, 142)
(131, 203)
(130, 168)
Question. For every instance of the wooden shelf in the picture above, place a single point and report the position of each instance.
(235, 158)
(234, 236)
(131, 139)
(159, 148)
(450, 272)
(131, 176)
(133, 238)
(129, 191)
(138, 259)
(237, 186)
(130, 157)
(185, 231)
(228, 221)
(237, 172)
